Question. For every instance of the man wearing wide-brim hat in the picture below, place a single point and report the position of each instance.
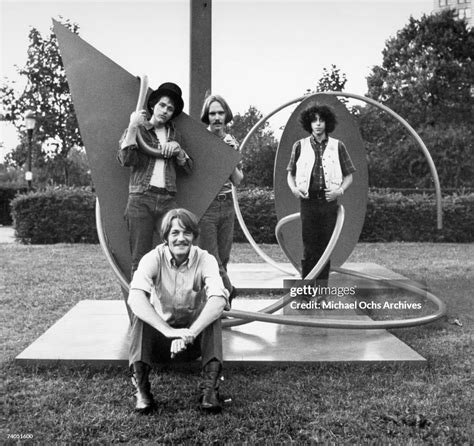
(152, 186)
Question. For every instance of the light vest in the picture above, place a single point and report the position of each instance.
(331, 165)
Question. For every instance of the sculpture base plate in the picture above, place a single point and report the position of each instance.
(95, 332)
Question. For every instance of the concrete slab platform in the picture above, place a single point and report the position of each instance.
(262, 277)
(95, 333)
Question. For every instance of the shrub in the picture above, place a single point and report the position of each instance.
(258, 211)
(390, 217)
(64, 215)
(394, 217)
(67, 216)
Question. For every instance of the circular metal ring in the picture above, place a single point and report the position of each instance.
(425, 151)
(327, 323)
(243, 317)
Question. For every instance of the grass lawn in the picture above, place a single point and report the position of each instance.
(328, 403)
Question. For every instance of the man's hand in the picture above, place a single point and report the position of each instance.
(137, 118)
(297, 193)
(333, 194)
(185, 334)
(177, 346)
(182, 338)
(170, 149)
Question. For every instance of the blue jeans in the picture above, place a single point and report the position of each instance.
(217, 233)
(144, 214)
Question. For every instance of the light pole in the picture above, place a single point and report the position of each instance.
(30, 123)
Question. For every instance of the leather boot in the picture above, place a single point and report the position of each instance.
(210, 401)
(140, 372)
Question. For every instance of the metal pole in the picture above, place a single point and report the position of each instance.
(200, 55)
(29, 178)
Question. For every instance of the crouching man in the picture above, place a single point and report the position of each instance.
(177, 298)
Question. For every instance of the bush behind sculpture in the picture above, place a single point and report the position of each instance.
(412, 218)
(60, 215)
(390, 217)
(67, 215)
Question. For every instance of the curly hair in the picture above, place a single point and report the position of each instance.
(207, 104)
(325, 113)
(187, 219)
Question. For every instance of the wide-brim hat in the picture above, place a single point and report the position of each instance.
(172, 91)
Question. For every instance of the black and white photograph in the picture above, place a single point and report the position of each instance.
(236, 222)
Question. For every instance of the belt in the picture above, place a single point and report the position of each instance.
(317, 194)
(160, 191)
(223, 197)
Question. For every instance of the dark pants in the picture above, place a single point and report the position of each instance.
(318, 219)
(150, 346)
(217, 232)
(144, 214)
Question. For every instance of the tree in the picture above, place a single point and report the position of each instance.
(47, 94)
(259, 153)
(427, 71)
(425, 77)
(332, 80)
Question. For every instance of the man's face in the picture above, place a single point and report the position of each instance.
(179, 241)
(216, 117)
(318, 126)
(163, 110)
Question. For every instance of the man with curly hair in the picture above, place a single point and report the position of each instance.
(319, 172)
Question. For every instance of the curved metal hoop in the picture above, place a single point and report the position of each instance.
(142, 144)
(243, 317)
(105, 248)
(425, 151)
(312, 274)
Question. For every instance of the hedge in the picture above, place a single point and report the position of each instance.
(67, 216)
(258, 211)
(390, 217)
(396, 217)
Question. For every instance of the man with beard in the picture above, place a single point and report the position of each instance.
(217, 223)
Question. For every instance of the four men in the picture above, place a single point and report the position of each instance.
(179, 291)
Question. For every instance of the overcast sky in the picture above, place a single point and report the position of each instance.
(265, 53)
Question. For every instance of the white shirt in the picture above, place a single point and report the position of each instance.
(158, 175)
